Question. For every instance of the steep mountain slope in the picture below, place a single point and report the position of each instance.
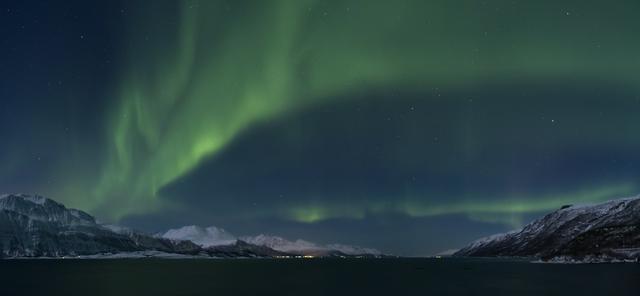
(605, 231)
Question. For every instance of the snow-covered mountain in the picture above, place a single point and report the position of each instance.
(214, 236)
(609, 230)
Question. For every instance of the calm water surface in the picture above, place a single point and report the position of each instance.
(314, 277)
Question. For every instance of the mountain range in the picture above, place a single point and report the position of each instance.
(34, 226)
(214, 236)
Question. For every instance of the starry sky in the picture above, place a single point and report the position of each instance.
(411, 126)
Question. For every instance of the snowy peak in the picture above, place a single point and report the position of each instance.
(205, 237)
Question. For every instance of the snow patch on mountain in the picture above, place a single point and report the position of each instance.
(205, 237)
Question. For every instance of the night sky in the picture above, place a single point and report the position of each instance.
(408, 126)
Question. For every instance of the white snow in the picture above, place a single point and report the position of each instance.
(118, 229)
(205, 237)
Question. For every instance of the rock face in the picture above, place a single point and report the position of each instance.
(34, 226)
(600, 232)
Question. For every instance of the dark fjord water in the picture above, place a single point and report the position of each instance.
(314, 277)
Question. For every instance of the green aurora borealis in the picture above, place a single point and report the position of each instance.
(486, 88)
